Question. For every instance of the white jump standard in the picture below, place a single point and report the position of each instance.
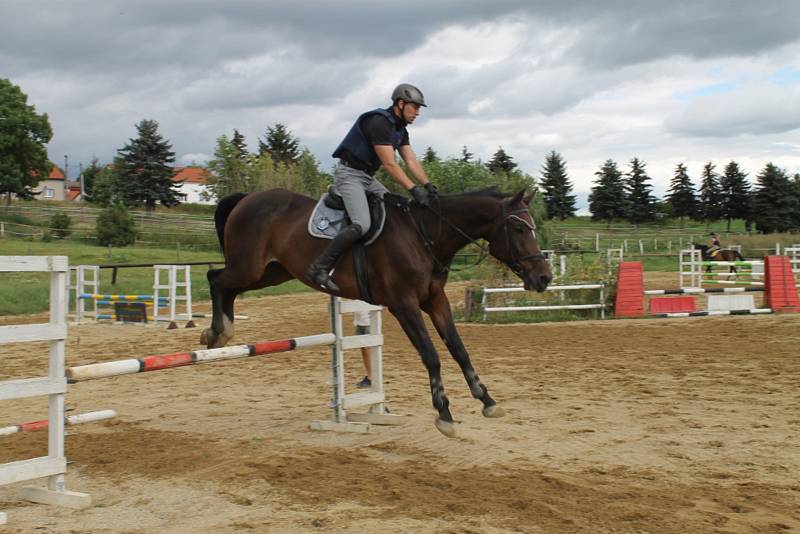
(54, 386)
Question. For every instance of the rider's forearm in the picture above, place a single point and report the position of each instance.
(418, 172)
(397, 174)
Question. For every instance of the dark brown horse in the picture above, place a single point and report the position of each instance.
(721, 255)
(265, 240)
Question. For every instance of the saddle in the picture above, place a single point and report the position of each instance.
(329, 217)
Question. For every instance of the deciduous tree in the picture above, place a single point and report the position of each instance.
(23, 136)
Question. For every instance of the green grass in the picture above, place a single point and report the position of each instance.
(24, 293)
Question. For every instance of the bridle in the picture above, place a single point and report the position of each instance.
(514, 263)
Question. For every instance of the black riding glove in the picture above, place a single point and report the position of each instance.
(420, 196)
(432, 191)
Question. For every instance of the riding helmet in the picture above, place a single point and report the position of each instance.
(409, 93)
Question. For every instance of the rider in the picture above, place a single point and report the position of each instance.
(370, 143)
(713, 244)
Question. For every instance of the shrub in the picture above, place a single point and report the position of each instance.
(115, 226)
(59, 225)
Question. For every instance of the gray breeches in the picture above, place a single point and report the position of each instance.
(353, 185)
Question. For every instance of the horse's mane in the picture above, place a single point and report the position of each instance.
(491, 191)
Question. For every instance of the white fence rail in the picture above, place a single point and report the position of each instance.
(493, 290)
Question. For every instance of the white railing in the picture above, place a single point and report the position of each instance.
(492, 290)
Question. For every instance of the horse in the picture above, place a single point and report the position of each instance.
(265, 240)
(721, 255)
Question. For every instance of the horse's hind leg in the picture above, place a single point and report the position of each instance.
(438, 307)
(223, 295)
(221, 330)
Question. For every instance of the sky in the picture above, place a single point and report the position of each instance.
(667, 82)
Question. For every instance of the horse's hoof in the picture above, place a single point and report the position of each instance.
(205, 335)
(493, 411)
(448, 429)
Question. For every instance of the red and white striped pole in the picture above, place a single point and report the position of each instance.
(70, 420)
(157, 362)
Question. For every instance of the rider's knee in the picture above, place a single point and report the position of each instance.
(363, 226)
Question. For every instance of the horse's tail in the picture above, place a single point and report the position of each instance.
(224, 209)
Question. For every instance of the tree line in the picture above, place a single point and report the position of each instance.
(141, 176)
(771, 205)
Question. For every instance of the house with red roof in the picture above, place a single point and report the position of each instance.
(192, 184)
(52, 188)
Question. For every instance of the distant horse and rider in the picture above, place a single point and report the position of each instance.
(715, 252)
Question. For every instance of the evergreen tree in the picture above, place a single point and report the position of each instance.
(640, 203)
(144, 169)
(557, 187)
(796, 184)
(681, 196)
(775, 203)
(607, 199)
(466, 155)
(23, 136)
(501, 162)
(430, 156)
(735, 194)
(240, 144)
(710, 205)
(280, 144)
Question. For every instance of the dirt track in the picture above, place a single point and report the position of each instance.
(680, 425)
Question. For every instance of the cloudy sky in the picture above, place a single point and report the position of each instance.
(668, 82)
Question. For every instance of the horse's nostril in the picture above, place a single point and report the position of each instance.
(545, 279)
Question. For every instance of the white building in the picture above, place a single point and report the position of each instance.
(191, 182)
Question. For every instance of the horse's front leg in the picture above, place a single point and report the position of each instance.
(221, 329)
(410, 320)
(438, 307)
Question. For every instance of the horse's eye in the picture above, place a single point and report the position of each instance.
(519, 228)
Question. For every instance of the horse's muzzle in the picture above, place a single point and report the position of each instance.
(534, 282)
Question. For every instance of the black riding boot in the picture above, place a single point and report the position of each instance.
(319, 271)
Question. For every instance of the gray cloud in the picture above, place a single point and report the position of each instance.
(590, 78)
(756, 110)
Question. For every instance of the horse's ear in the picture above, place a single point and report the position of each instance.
(529, 197)
(516, 199)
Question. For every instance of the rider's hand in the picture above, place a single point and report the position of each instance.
(420, 196)
(432, 191)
